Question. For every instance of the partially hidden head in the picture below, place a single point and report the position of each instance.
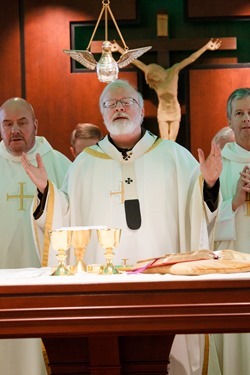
(223, 136)
(84, 135)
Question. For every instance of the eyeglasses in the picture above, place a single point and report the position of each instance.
(125, 102)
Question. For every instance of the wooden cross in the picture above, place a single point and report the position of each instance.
(162, 45)
(22, 196)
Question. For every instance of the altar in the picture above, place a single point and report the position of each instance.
(118, 324)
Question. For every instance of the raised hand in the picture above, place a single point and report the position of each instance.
(245, 176)
(212, 166)
(37, 174)
(243, 187)
(212, 45)
(115, 47)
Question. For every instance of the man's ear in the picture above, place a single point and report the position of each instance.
(36, 126)
(72, 152)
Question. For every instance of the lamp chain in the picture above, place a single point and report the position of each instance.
(106, 7)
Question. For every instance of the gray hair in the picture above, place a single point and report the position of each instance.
(120, 83)
(240, 93)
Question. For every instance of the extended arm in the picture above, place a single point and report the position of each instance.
(243, 188)
(139, 64)
(211, 45)
(212, 166)
(38, 175)
(211, 169)
(226, 227)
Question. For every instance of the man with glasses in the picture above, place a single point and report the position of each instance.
(133, 180)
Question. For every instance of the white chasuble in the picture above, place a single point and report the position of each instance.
(233, 228)
(18, 248)
(167, 187)
(232, 232)
(166, 183)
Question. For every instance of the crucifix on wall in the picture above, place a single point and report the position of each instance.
(161, 77)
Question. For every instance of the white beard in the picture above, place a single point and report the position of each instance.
(120, 127)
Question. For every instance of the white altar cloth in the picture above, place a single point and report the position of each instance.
(41, 276)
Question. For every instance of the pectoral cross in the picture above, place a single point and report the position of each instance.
(248, 203)
(121, 192)
(22, 196)
(128, 181)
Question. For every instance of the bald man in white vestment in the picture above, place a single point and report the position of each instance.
(18, 127)
(153, 189)
(233, 225)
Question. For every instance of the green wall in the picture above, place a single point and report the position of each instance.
(182, 27)
(179, 27)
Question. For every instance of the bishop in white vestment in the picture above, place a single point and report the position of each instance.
(171, 203)
(167, 187)
(149, 187)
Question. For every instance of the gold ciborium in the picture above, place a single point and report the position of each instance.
(108, 239)
(60, 241)
(79, 241)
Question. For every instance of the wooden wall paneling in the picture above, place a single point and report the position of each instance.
(61, 99)
(214, 8)
(10, 70)
(209, 89)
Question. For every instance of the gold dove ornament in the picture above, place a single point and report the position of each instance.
(107, 67)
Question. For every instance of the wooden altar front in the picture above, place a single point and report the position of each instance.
(121, 327)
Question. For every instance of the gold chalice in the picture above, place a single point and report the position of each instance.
(108, 239)
(79, 240)
(60, 241)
